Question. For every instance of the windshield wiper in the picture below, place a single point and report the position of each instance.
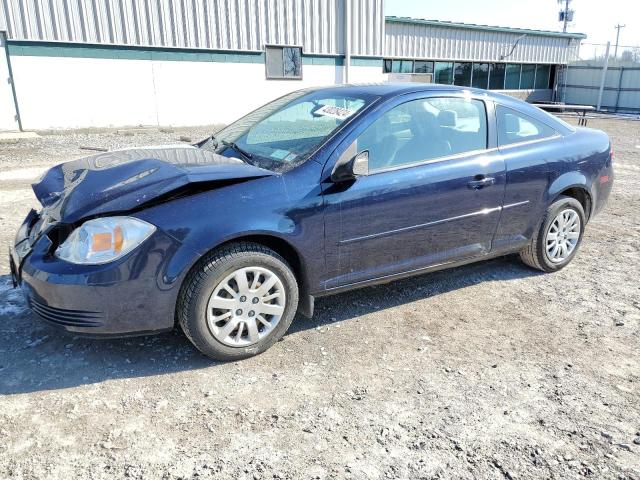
(238, 149)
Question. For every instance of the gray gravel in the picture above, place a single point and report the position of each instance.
(486, 371)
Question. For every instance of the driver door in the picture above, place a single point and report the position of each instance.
(433, 192)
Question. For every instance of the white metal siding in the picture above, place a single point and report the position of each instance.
(317, 25)
(411, 40)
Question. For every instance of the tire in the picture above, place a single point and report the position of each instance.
(536, 255)
(209, 286)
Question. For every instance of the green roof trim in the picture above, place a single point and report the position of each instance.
(489, 28)
(83, 50)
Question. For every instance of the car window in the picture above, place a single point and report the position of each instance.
(515, 127)
(424, 129)
(282, 134)
(304, 120)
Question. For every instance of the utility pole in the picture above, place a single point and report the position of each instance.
(615, 51)
(566, 14)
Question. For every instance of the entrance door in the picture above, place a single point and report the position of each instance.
(8, 117)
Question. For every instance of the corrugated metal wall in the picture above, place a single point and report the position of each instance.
(414, 40)
(581, 85)
(248, 25)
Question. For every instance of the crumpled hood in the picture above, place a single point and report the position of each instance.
(123, 180)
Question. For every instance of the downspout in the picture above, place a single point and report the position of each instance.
(347, 39)
(3, 43)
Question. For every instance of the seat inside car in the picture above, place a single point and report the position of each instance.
(427, 140)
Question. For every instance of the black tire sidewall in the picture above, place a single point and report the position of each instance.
(196, 314)
(554, 209)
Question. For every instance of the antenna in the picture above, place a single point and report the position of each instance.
(566, 14)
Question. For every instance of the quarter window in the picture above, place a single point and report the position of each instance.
(516, 127)
(283, 62)
(424, 129)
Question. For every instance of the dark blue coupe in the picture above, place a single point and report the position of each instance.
(320, 191)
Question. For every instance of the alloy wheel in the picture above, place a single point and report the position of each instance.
(562, 236)
(245, 306)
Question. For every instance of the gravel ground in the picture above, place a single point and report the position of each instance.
(485, 371)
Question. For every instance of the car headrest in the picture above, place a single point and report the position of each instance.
(448, 118)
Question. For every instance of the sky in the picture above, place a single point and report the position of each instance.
(595, 18)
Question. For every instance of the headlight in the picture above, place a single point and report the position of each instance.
(104, 239)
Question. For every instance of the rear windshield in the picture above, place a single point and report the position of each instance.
(285, 132)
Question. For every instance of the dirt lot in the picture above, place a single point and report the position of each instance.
(485, 371)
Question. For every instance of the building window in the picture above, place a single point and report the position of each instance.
(492, 76)
(496, 76)
(443, 73)
(542, 76)
(420, 66)
(462, 74)
(402, 66)
(283, 62)
(480, 75)
(512, 77)
(527, 79)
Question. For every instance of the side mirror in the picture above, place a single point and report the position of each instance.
(350, 166)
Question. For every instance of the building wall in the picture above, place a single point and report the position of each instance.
(246, 25)
(581, 86)
(80, 86)
(531, 96)
(435, 41)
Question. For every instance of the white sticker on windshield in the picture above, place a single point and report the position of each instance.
(280, 154)
(334, 112)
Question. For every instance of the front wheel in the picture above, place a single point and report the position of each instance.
(557, 240)
(238, 301)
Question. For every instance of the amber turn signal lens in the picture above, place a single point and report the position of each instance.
(101, 242)
(118, 239)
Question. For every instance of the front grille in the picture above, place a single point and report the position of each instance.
(68, 318)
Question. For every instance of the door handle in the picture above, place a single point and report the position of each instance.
(480, 182)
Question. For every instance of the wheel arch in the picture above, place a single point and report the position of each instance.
(582, 195)
(279, 245)
(574, 185)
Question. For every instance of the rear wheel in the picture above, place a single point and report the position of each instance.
(557, 240)
(238, 301)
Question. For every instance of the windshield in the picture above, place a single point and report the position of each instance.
(283, 133)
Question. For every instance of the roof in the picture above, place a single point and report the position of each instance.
(489, 28)
(392, 89)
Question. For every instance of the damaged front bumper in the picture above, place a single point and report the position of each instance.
(133, 295)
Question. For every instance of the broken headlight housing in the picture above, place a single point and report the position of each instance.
(103, 240)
